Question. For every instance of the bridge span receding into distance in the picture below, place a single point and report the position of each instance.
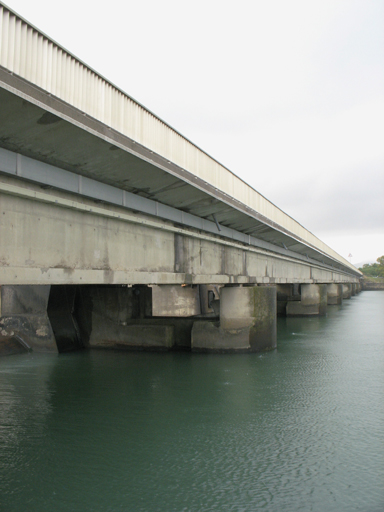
(117, 231)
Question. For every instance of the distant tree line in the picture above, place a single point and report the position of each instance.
(374, 269)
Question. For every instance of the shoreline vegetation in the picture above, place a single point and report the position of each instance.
(373, 283)
(373, 275)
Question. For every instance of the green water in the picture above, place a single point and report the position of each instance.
(300, 428)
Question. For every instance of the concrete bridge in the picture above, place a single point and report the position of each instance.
(115, 230)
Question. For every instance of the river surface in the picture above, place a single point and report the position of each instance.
(297, 429)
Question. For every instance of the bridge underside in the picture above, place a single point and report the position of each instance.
(44, 128)
(96, 152)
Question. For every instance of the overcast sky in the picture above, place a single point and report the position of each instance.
(289, 95)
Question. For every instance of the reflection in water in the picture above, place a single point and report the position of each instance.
(299, 428)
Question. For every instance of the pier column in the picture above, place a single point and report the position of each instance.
(284, 294)
(120, 317)
(24, 323)
(347, 291)
(313, 301)
(334, 293)
(353, 289)
(247, 322)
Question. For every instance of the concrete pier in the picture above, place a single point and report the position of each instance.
(62, 314)
(24, 323)
(120, 317)
(347, 291)
(285, 292)
(313, 301)
(208, 318)
(334, 294)
(247, 322)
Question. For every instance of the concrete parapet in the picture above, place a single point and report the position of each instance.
(313, 301)
(24, 320)
(247, 322)
(334, 294)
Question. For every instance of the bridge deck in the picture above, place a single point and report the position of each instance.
(57, 110)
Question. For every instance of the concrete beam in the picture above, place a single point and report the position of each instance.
(175, 301)
(60, 240)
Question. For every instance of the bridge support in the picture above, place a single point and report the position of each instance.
(247, 322)
(347, 291)
(284, 294)
(313, 301)
(202, 318)
(120, 317)
(24, 323)
(334, 294)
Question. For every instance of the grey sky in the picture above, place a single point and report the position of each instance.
(288, 95)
